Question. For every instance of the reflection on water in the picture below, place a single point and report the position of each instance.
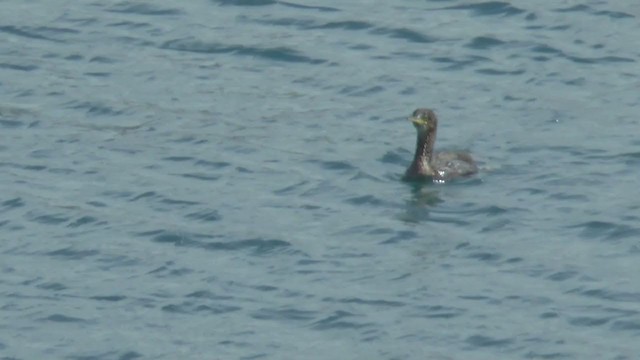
(423, 197)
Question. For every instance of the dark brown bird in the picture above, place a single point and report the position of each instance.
(437, 167)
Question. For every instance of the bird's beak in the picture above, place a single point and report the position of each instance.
(416, 121)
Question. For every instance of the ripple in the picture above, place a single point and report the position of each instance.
(397, 156)
(49, 219)
(134, 41)
(52, 286)
(96, 108)
(212, 164)
(205, 216)
(588, 321)
(275, 2)
(337, 321)
(402, 236)
(153, 197)
(367, 200)
(129, 355)
(404, 34)
(346, 25)
(206, 294)
(632, 158)
(12, 204)
(549, 315)
(589, 10)
(359, 91)
(545, 49)
(302, 24)
(283, 54)
(459, 63)
(438, 312)
(286, 314)
(10, 123)
(334, 165)
(292, 189)
(258, 246)
(489, 8)
(600, 60)
(247, 2)
(191, 308)
(485, 256)
(199, 176)
(110, 298)
(36, 33)
(563, 275)
(309, 7)
(606, 230)
(85, 220)
(608, 294)
(553, 355)
(485, 341)
(21, 67)
(178, 158)
(73, 254)
(549, 50)
(131, 25)
(24, 167)
(383, 303)
(499, 72)
(484, 43)
(144, 9)
(626, 325)
(63, 319)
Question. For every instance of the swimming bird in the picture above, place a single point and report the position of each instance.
(437, 167)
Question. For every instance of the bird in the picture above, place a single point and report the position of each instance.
(438, 167)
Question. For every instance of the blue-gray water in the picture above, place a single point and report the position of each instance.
(221, 180)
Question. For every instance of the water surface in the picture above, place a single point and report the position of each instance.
(221, 180)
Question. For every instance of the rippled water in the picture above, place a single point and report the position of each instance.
(221, 180)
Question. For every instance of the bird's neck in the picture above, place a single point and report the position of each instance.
(424, 146)
(421, 165)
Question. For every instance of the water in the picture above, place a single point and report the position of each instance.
(221, 180)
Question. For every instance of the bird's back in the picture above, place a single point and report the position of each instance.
(454, 164)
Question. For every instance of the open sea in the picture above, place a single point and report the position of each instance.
(221, 179)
